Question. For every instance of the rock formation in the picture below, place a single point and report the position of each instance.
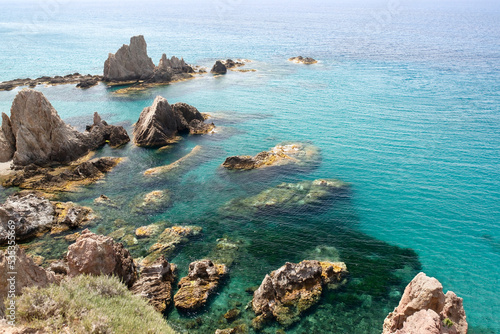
(286, 196)
(39, 136)
(153, 201)
(169, 240)
(303, 60)
(99, 255)
(7, 140)
(62, 178)
(155, 284)
(194, 289)
(282, 154)
(292, 289)
(170, 70)
(28, 273)
(33, 215)
(425, 309)
(161, 122)
(129, 62)
(219, 68)
(82, 81)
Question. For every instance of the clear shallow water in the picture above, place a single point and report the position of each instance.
(407, 111)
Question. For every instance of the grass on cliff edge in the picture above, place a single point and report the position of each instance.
(88, 304)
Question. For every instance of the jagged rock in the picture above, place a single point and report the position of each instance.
(168, 241)
(42, 138)
(289, 291)
(303, 60)
(7, 140)
(160, 123)
(286, 196)
(195, 288)
(63, 178)
(99, 255)
(425, 307)
(84, 84)
(282, 154)
(155, 284)
(153, 201)
(129, 62)
(219, 68)
(33, 214)
(28, 273)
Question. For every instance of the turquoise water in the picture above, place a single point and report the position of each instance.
(404, 105)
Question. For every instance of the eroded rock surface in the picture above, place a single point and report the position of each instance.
(160, 123)
(130, 62)
(155, 284)
(425, 309)
(33, 215)
(94, 254)
(82, 81)
(194, 289)
(292, 289)
(283, 154)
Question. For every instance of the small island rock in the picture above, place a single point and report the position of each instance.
(219, 68)
(303, 60)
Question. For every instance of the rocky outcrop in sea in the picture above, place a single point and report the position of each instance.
(219, 68)
(303, 60)
(159, 124)
(81, 81)
(34, 215)
(292, 289)
(425, 309)
(35, 134)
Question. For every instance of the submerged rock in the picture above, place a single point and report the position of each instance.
(219, 68)
(153, 201)
(160, 123)
(94, 254)
(303, 60)
(155, 284)
(147, 231)
(41, 137)
(425, 309)
(34, 215)
(194, 289)
(177, 165)
(283, 154)
(292, 289)
(130, 62)
(168, 241)
(286, 196)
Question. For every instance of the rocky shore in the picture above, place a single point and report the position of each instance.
(81, 81)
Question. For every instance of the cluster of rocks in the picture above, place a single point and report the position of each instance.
(159, 124)
(35, 134)
(292, 289)
(425, 309)
(286, 196)
(131, 63)
(34, 215)
(282, 154)
(303, 60)
(81, 81)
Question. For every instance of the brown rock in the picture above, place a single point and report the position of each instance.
(7, 140)
(219, 68)
(194, 289)
(129, 62)
(99, 255)
(155, 284)
(303, 60)
(292, 289)
(425, 293)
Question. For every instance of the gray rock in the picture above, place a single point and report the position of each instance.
(129, 62)
(219, 68)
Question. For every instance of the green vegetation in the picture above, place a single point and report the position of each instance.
(447, 322)
(88, 304)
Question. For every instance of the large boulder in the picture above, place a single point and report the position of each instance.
(27, 273)
(219, 68)
(194, 289)
(33, 215)
(161, 122)
(292, 289)
(425, 309)
(94, 254)
(129, 62)
(41, 137)
(155, 284)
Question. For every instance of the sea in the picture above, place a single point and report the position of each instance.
(403, 104)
